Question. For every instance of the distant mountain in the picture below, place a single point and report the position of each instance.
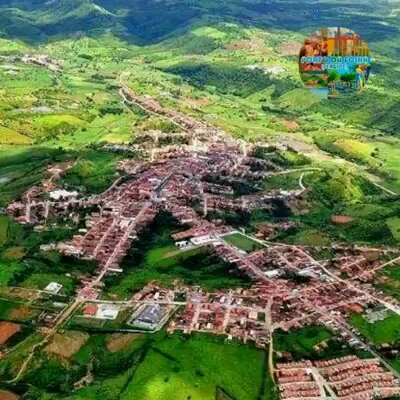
(149, 21)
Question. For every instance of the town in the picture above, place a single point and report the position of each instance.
(291, 286)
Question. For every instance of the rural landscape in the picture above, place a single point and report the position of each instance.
(181, 219)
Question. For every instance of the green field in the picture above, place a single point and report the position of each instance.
(3, 229)
(300, 342)
(11, 365)
(194, 367)
(23, 264)
(310, 237)
(154, 257)
(94, 170)
(389, 281)
(152, 367)
(195, 267)
(380, 332)
(242, 242)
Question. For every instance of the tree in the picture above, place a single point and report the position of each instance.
(348, 77)
(333, 76)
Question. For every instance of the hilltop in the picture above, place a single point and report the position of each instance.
(141, 23)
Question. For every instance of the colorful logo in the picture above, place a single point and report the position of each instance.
(335, 62)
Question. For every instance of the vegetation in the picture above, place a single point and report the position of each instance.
(389, 280)
(242, 242)
(380, 332)
(154, 257)
(95, 171)
(302, 342)
(152, 367)
(194, 367)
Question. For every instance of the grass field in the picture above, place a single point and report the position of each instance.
(242, 242)
(67, 344)
(385, 331)
(310, 237)
(160, 367)
(389, 281)
(301, 342)
(283, 182)
(23, 264)
(22, 167)
(10, 366)
(8, 270)
(194, 367)
(41, 280)
(3, 229)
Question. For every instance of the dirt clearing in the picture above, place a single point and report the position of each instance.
(119, 341)
(67, 343)
(8, 395)
(8, 329)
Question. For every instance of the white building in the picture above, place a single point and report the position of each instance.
(107, 311)
(53, 288)
(202, 240)
(63, 194)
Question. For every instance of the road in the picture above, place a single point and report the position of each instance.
(301, 181)
(268, 325)
(388, 191)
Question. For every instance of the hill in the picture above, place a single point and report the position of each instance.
(140, 22)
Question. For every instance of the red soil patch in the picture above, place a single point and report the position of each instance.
(239, 45)
(7, 329)
(8, 395)
(356, 308)
(289, 48)
(291, 125)
(21, 312)
(341, 219)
